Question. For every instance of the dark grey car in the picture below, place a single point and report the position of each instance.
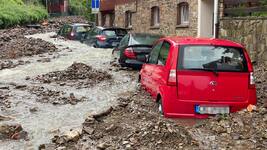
(134, 47)
(75, 31)
(104, 37)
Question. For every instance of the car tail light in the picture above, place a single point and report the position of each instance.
(101, 37)
(72, 34)
(129, 53)
(172, 77)
(251, 80)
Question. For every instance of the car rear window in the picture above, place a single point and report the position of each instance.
(217, 58)
(144, 39)
(81, 29)
(114, 32)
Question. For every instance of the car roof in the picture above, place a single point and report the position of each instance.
(141, 34)
(109, 28)
(79, 24)
(176, 40)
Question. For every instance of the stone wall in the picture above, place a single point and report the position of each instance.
(249, 31)
(168, 17)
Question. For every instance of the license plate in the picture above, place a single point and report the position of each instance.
(115, 43)
(212, 110)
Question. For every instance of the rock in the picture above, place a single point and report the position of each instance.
(33, 109)
(27, 78)
(103, 113)
(88, 130)
(5, 118)
(20, 86)
(102, 146)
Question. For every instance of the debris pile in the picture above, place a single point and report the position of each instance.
(45, 95)
(22, 46)
(261, 84)
(130, 125)
(245, 129)
(12, 131)
(78, 74)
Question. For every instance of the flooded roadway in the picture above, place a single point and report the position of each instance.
(50, 120)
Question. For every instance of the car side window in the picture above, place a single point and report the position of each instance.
(163, 54)
(153, 59)
(124, 41)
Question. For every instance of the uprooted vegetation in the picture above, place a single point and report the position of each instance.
(78, 74)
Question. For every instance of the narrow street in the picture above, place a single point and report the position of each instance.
(49, 119)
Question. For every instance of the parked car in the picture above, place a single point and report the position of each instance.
(197, 77)
(75, 31)
(101, 37)
(134, 47)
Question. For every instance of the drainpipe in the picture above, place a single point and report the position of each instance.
(216, 19)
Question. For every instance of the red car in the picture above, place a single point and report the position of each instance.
(197, 77)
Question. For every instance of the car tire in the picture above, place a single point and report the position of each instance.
(160, 107)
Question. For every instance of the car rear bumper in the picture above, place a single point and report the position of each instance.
(175, 107)
(132, 63)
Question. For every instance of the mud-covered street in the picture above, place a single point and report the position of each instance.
(62, 94)
(50, 97)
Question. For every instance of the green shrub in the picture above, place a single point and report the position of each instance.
(15, 12)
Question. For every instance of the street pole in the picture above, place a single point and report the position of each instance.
(216, 19)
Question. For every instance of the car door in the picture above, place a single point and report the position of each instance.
(148, 69)
(91, 36)
(159, 77)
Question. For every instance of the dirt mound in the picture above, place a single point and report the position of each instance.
(130, 125)
(20, 47)
(57, 22)
(12, 131)
(78, 74)
(261, 83)
(241, 130)
(45, 95)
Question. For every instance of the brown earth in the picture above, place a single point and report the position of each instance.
(78, 74)
(13, 132)
(136, 124)
(133, 124)
(14, 44)
(45, 95)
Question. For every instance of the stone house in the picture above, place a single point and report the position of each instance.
(169, 17)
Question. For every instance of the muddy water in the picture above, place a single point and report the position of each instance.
(49, 119)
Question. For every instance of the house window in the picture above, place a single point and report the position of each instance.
(155, 19)
(128, 19)
(183, 14)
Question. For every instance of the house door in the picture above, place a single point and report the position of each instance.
(205, 18)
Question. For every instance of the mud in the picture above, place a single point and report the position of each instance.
(45, 95)
(78, 75)
(14, 44)
(132, 124)
(12, 132)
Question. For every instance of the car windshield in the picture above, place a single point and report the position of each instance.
(216, 58)
(81, 29)
(143, 39)
(114, 32)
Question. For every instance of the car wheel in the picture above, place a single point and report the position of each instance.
(160, 107)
